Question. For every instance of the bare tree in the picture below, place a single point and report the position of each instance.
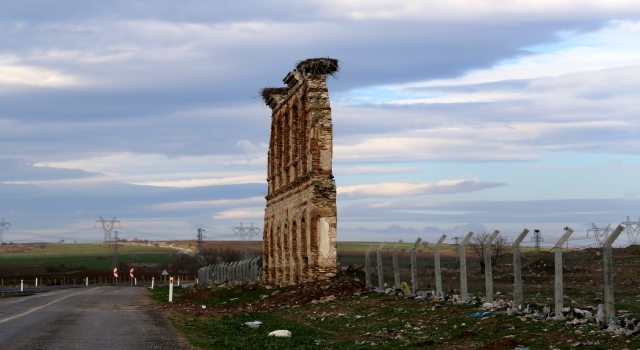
(499, 248)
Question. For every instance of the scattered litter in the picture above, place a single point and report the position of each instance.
(480, 314)
(204, 306)
(254, 324)
(280, 333)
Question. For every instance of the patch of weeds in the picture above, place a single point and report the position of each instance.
(230, 332)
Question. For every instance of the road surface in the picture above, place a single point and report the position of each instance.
(84, 318)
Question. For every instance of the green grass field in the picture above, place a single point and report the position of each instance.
(373, 321)
(86, 254)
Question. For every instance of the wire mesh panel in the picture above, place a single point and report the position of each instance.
(626, 278)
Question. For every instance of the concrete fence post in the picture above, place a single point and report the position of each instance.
(488, 271)
(234, 271)
(607, 270)
(241, 271)
(396, 266)
(414, 267)
(21, 285)
(243, 274)
(36, 281)
(436, 264)
(367, 267)
(559, 292)
(464, 295)
(517, 270)
(254, 270)
(153, 279)
(379, 261)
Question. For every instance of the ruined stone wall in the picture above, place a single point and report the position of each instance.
(300, 218)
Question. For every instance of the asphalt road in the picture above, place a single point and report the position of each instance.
(84, 318)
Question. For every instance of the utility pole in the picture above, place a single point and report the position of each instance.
(3, 225)
(246, 234)
(200, 240)
(537, 238)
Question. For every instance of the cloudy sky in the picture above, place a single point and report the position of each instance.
(448, 116)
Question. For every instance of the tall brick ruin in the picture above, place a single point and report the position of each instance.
(300, 219)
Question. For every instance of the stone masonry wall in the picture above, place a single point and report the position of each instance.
(300, 223)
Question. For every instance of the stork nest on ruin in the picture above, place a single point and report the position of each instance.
(319, 66)
(268, 91)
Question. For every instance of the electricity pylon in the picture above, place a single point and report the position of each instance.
(537, 238)
(246, 234)
(632, 233)
(3, 225)
(601, 234)
(107, 227)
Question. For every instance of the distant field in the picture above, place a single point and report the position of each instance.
(91, 255)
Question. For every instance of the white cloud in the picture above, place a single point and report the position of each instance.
(479, 10)
(253, 201)
(20, 74)
(239, 214)
(396, 189)
(615, 45)
(206, 182)
(160, 170)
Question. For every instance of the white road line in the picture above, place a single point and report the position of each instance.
(41, 306)
(46, 294)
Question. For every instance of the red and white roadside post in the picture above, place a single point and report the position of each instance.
(171, 289)
(153, 279)
(131, 276)
(115, 274)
